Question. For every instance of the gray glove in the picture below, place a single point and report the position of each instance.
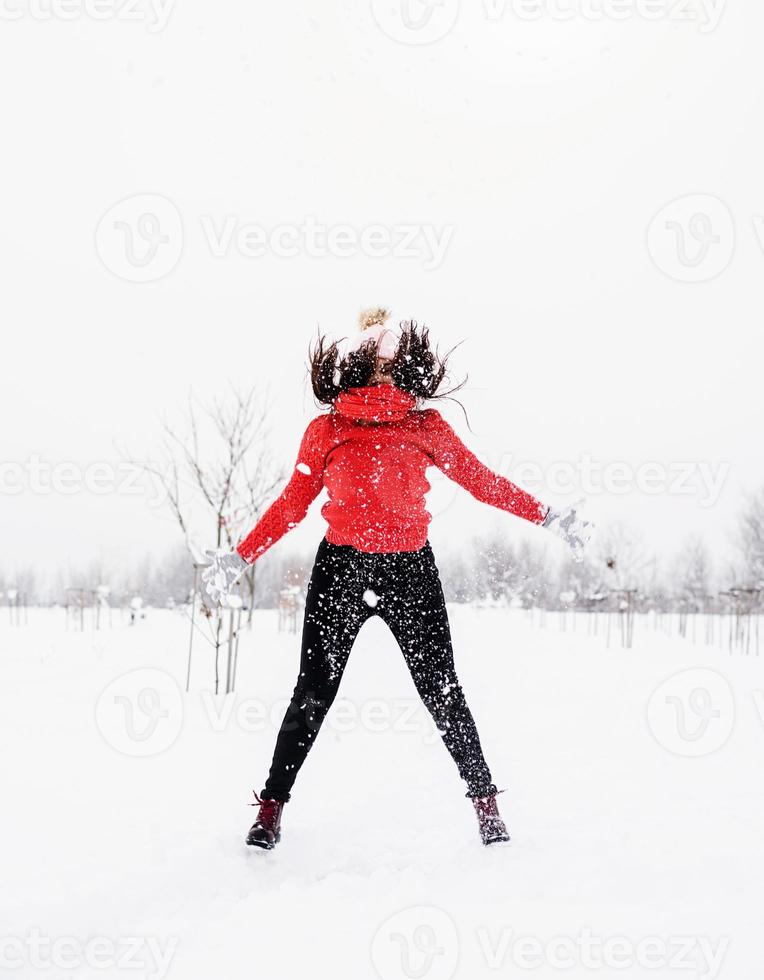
(223, 571)
(573, 530)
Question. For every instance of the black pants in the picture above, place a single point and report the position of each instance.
(348, 586)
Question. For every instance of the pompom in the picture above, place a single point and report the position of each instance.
(375, 317)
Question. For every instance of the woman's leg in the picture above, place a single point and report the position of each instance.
(413, 606)
(334, 613)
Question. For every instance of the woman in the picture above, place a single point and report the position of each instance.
(371, 452)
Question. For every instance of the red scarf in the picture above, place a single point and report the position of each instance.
(375, 403)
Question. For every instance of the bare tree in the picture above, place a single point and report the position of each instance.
(693, 573)
(535, 576)
(494, 567)
(623, 554)
(751, 540)
(218, 474)
(218, 460)
(585, 581)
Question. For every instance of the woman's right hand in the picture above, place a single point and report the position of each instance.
(224, 570)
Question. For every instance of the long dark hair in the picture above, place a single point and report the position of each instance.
(414, 368)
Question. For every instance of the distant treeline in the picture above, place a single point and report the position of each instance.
(489, 568)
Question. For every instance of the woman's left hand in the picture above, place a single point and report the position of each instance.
(572, 528)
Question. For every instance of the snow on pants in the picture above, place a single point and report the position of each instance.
(347, 586)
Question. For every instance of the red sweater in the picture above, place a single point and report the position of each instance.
(371, 452)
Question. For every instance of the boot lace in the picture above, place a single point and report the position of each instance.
(269, 811)
(486, 805)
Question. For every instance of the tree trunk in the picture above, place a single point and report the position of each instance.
(250, 577)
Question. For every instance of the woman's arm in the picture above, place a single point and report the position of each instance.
(450, 455)
(292, 505)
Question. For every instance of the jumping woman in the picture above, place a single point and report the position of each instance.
(371, 451)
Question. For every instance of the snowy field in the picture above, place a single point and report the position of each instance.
(634, 797)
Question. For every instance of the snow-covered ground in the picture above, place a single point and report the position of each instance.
(636, 808)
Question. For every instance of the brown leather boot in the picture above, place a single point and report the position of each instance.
(492, 827)
(266, 830)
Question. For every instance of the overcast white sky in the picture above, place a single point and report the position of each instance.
(537, 152)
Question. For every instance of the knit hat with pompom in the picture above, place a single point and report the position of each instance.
(371, 325)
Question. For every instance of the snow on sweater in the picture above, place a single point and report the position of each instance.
(371, 452)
